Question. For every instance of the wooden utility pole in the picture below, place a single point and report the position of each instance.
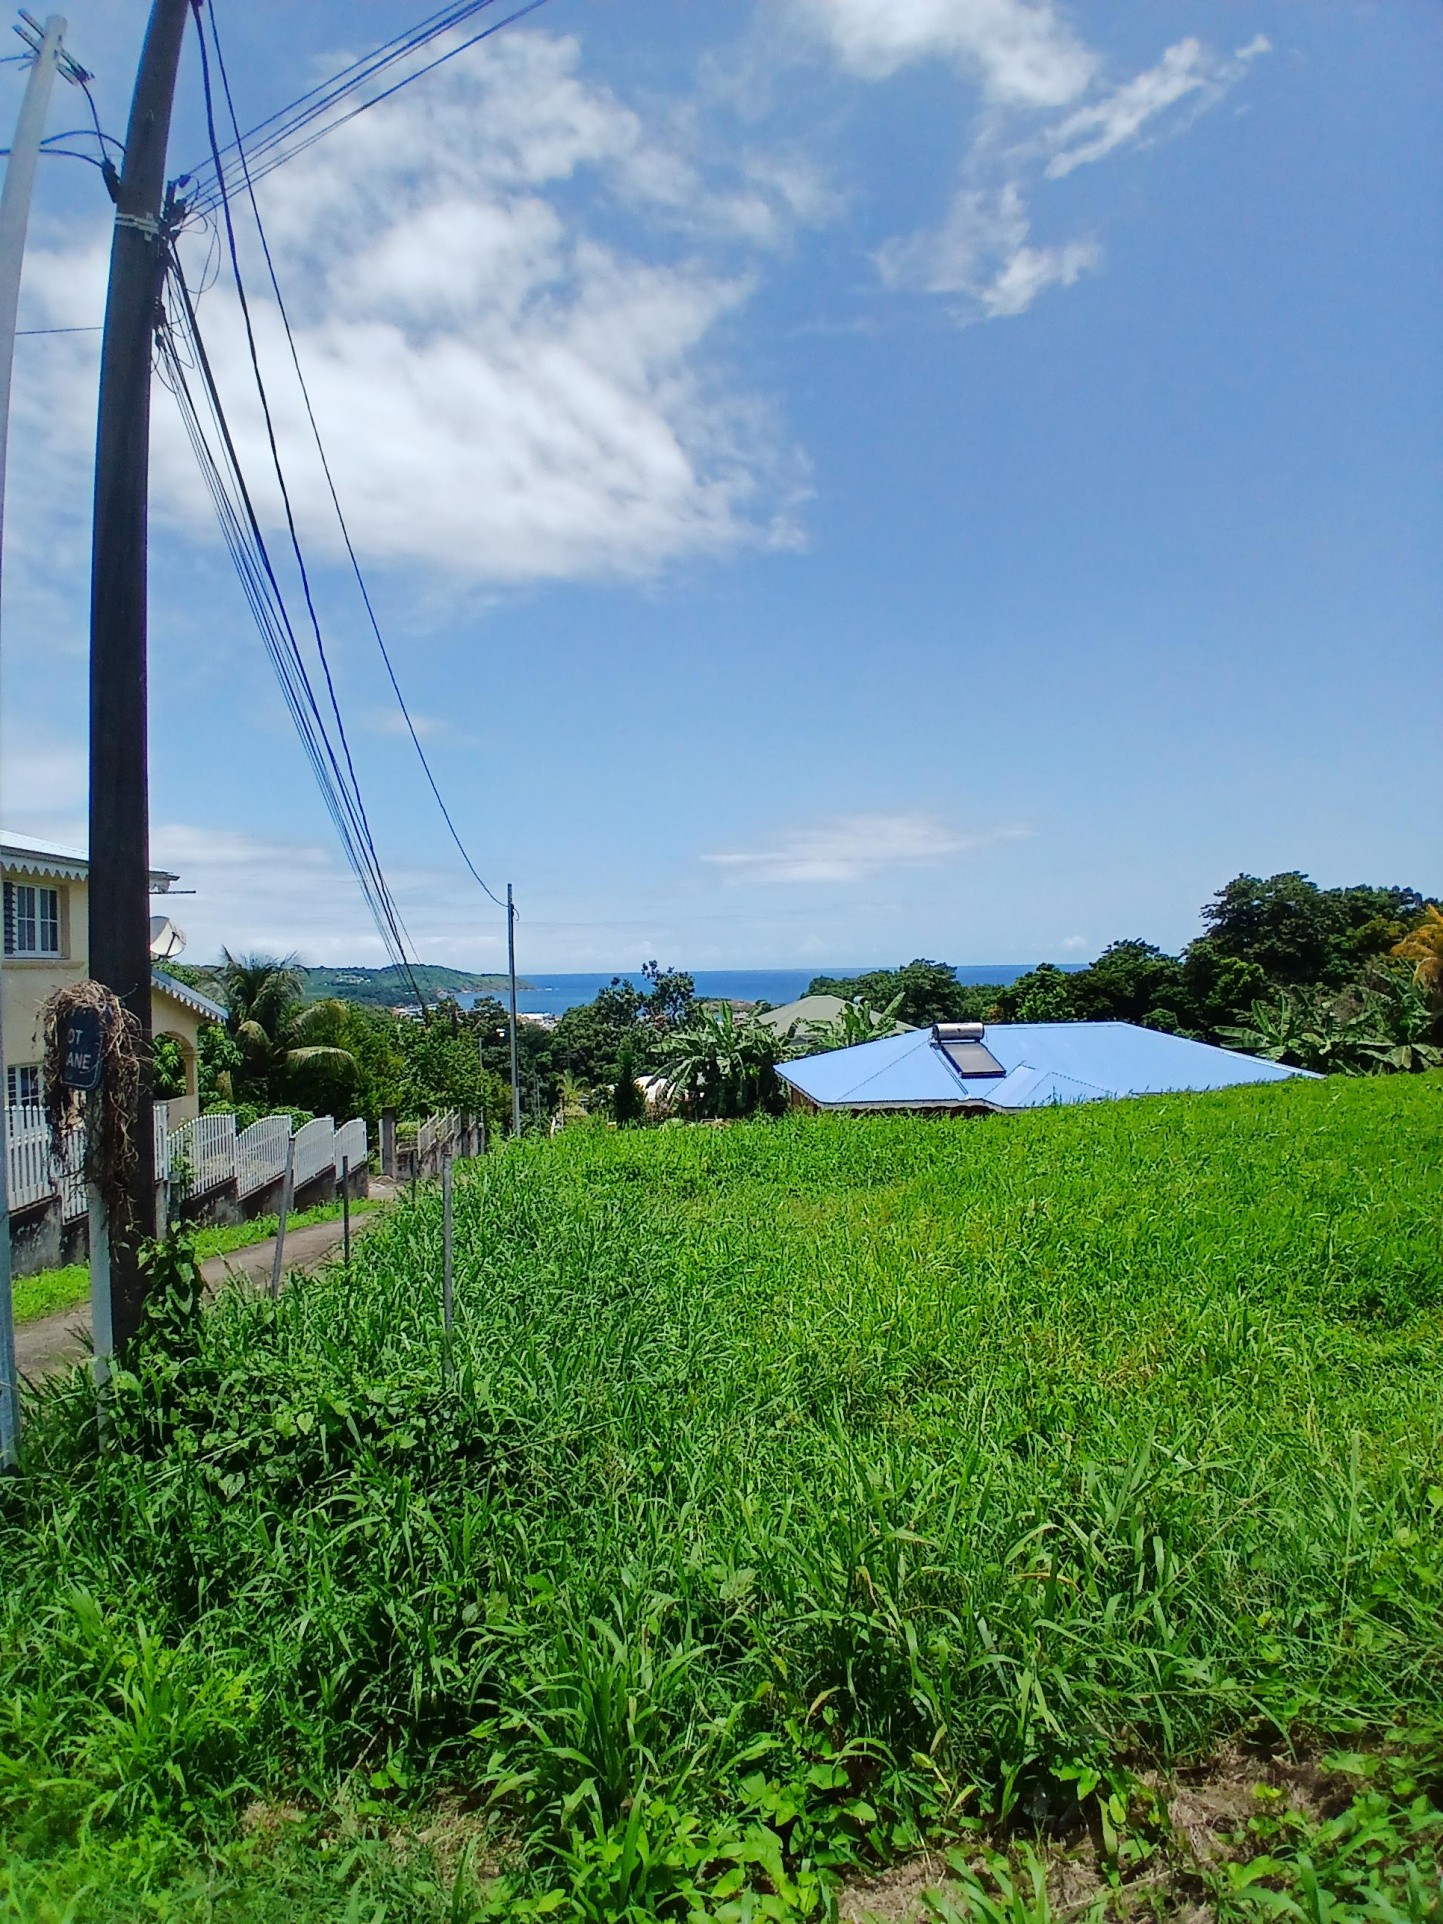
(119, 773)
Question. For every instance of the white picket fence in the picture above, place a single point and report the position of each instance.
(29, 1140)
(199, 1156)
(351, 1145)
(260, 1153)
(204, 1149)
(315, 1150)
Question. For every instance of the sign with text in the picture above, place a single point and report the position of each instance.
(84, 1050)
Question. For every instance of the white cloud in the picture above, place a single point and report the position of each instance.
(848, 848)
(1098, 129)
(273, 894)
(44, 785)
(984, 251)
(1075, 944)
(1026, 60)
(1020, 50)
(506, 395)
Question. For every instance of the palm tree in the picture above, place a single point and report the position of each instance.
(271, 1025)
(717, 1066)
(1423, 947)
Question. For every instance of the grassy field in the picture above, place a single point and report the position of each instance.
(50, 1290)
(792, 1497)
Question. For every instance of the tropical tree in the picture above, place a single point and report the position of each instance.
(720, 1066)
(628, 1104)
(1379, 1025)
(1275, 1028)
(1044, 994)
(1396, 1028)
(570, 1101)
(1423, 947)
(854, 1023)
(273, 1028)
(929, 991)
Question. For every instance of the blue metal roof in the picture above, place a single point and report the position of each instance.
(1045, 1063)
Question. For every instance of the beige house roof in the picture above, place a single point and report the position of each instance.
(807, 1012)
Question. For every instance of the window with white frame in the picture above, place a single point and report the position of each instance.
(23, 1085)
(32, 919)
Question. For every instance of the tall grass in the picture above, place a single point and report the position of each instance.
(818, 1480)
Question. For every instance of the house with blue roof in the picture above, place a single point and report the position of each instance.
(972, 1068)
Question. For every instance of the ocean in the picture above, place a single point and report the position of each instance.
(553, 994)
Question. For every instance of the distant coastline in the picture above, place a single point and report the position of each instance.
(553, 993)
(389, 988)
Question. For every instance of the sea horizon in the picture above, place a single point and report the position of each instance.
(545, 992)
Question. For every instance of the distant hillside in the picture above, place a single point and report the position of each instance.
(377, 988)
(386, 988)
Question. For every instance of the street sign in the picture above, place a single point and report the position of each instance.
(84, 1050)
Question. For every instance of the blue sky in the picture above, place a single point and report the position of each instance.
(842, 479)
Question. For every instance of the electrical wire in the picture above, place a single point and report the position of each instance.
(84, 133)
(181, 349)
(330, 478)
(275, 141)
(362, 839)
(64, 153)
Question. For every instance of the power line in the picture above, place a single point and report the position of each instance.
(241, 530)
(349, 787)
(330, 478)
(276, 141)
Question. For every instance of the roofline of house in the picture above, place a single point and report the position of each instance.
(25, 857)
(188, 997)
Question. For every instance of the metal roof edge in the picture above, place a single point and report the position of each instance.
(34, 858)
(188, 997)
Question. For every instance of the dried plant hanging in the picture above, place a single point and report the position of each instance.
(109, 1140)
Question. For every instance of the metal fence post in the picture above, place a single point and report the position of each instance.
(287, 1196)
(446, 1240)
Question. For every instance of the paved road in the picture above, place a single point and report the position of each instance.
(53, 1341)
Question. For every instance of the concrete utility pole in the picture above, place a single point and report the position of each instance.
(14, 222)
(119, 773)
(515, 1047)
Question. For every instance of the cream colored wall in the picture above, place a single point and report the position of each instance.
(168, 1017)
(27, 984)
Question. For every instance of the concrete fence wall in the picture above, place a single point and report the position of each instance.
(213, 1175)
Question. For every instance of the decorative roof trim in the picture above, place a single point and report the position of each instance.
(188, 997)
(21, 857)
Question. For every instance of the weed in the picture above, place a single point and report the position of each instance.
(801, 1492)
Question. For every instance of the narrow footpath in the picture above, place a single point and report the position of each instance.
(53, 1342)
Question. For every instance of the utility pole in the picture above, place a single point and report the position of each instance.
(119, 765)
(48, 48)
(515, 1048)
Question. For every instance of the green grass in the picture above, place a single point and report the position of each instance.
(50, 1290)
(795, 1493)
(222, 1240)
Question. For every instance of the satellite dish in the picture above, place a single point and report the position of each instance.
(166, 940)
